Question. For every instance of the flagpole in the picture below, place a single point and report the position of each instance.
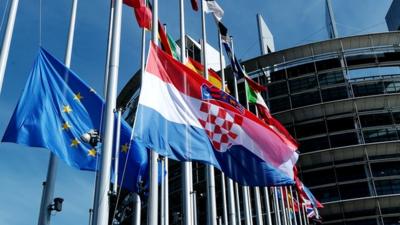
(288, 206)
(152, 214)
(267, 206)
(101, 210)
(239, 219)
(5, 49)
(116, 156)
(137, 208)
(259, 219)
(187, 180)
(276, 206)
(225, 208)
(49, 184)
(294, 210)
(283, 206)
(162, 200)
(210, 173)
(299, 207)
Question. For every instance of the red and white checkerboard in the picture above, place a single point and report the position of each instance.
(219, 125)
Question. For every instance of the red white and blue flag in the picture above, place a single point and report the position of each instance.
(184, 117)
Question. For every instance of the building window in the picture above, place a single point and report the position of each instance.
(328, 175)
(304, 99)
(310, 129)
(384, 169)
(350, 173)
(328, 64)
(392, 86)
(356, 190)
(314, 144)
(378, 119)
(341, 124)
(335, 93)
(339, 140)
(278, 75)
(387, 187)
(300, 70)
(375, 88)
(331, 78)
(277, 88)
(379, 135)
(328, 194)
(304, 83)
(279, 104)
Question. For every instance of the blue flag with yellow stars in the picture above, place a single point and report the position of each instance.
(56, 108)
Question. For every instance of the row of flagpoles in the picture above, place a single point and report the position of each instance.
(283, 200)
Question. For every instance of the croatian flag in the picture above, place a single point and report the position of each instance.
(184, 117)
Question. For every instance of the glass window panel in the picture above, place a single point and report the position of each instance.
(383, 169)
(360, 59)
(314, 144)
(327, 64)
(327, 194)
(396, 116)
(278, 88)
(350, 173)
(379, 119)
(379, 135)
(387, 187)
(339, 140)
(303, 83)
(391, 220)
(300, 70)
(340, 124)
(304, 99)
(392, 86)
(357, 190)
(331, 78)
(278, 75)
(363, 222)
(335, 93)
(310, 178)
(279, 104)
(310, 129)
(374, 88)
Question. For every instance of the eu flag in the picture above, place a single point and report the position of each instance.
(56, 108)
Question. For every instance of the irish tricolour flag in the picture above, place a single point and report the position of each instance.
(183, 117)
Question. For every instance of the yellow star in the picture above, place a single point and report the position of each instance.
(125, 147)
(75, 142)
(92, 152)
(78, 97)
(66, 126)
(92, 90)
(67, 109)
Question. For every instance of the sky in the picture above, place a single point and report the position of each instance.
(45, 23)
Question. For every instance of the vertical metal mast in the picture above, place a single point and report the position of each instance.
(210, 173)
(331, 22)
(231, 202)
(152, 214)
(5, 49)
(48, 185)
(101, 209)
(267, 205)
(187, 166)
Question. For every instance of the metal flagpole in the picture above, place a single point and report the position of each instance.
(288, 206)
(152, 215)
(267, 206)
(187, 166)
(5, 49)
(258, 206)
(166, 193)
(283, 206)
(299, 207)
(223, 189)
(48, 185)
(116, 157)
(137, 208)
(276, 206)
(210, 173)
(101, 210)
(304, 214)
(162, 215)
(293, 208)
(194, 195)
(239, 219)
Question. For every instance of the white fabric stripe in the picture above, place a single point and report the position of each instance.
(179, 108)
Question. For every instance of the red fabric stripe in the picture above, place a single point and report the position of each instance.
(195, 6)
(254, 85)
(164, 39)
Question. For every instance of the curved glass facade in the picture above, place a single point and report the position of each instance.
(343, 106)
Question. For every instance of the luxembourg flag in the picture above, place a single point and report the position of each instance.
(182, 116)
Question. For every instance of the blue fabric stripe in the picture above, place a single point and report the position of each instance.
(188, 143)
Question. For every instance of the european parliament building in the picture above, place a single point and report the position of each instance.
(340, 98)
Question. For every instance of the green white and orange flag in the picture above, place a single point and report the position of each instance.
(253, 92)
